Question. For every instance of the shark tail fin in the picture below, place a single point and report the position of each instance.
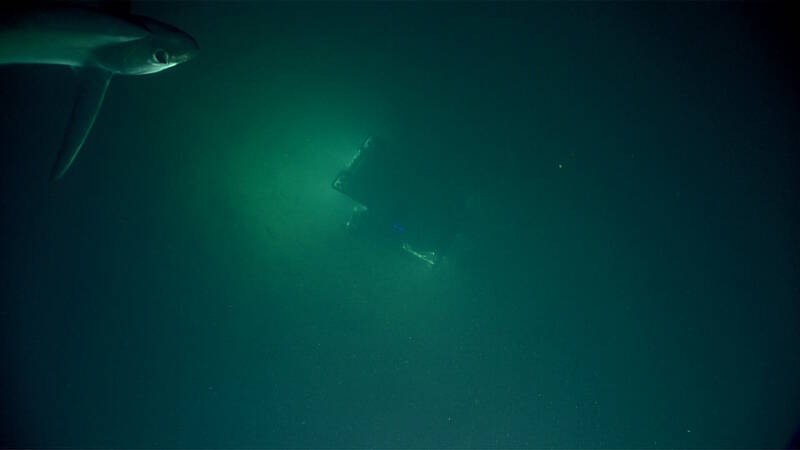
(88, 99)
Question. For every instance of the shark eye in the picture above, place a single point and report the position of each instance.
(160, 56)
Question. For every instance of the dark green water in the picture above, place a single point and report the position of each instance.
(628, 275)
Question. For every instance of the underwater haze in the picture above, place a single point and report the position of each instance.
(626, 273)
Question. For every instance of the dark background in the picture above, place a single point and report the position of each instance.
(628, 275)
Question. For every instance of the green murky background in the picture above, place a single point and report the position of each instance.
(628, 276)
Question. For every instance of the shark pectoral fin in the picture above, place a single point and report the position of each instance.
(91, 91)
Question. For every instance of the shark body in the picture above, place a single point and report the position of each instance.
(100, 45)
